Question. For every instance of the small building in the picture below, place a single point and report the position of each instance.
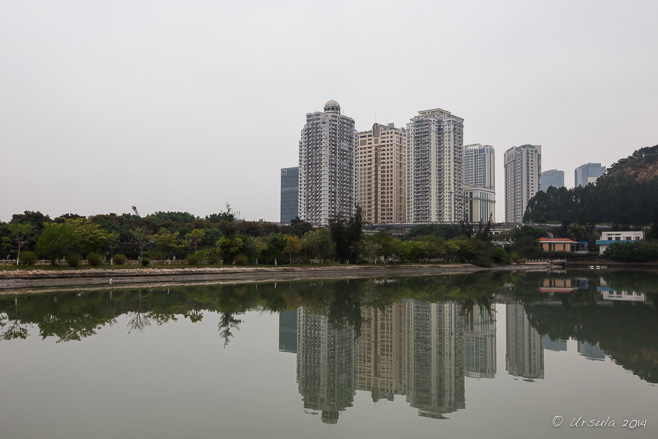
(557, 245)
(610, 237)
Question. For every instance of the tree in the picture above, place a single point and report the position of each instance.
(346, 235)
(193, 239)
(318, 244)
(229, 248)
(92, 237)
(141, 238)
(18, 234)
(293, 246)
(57, 240)
(254, 246)
(112, 243)
(167, 242)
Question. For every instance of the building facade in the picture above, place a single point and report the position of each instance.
(435, 167)
(588, 173)
(553, 178)
(621, 237)
(479, 166)
(522, 179)
(381, 169)
(289, 194)
(327, 166)
(479, 204)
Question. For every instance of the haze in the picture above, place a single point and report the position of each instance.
(187, 106)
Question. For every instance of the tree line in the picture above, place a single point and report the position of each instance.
(223, 238)
(625, 196)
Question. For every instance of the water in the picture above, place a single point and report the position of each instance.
(495, 355)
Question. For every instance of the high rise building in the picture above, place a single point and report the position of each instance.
(327, 166)
(553, 178)
(381, 174)
(435, 167)
(588, 173)
(479, 166)
(289, 193)
(522, 179)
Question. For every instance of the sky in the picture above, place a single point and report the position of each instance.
(187, 106)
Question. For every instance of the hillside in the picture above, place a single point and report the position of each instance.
(642, 165)
(627, 195)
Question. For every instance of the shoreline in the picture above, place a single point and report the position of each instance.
(36, 281)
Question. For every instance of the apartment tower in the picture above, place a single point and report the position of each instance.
(381, 168)
(522, 179)
(327, 166)
(435, 167)
(479, 166)
(479, 183)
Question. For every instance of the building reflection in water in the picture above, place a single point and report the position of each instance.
(325, 365)
(591, 351)
(435, 358)
(288, 331)
(381, 362)
(480, 343)
(410, 348)
(525, 351)
(554, 344)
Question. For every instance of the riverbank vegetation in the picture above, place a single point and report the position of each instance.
(222, 238)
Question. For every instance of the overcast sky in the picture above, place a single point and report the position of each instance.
(189, 105)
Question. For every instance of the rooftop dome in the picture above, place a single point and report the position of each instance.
(332, 106)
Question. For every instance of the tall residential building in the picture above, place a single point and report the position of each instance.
(381, 174)
(327, 166)
(435, 167)
(588, 173)
(553, 178)
(479, 166)
(289, 193)
(522, 179)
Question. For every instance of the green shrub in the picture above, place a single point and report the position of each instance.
(241, 259)
(213, 259)
(203, 256)
(145, 261)
(192, 259)
(94, 259)
(119, 259)
(73, 259)
(28, 258)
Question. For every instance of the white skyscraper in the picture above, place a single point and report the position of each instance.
(327, 166)
(435, 167)
(479, 166)
(522, 179)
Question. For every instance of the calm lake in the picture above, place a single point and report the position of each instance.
(495, 355)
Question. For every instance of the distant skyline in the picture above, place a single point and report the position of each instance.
(174, 106)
